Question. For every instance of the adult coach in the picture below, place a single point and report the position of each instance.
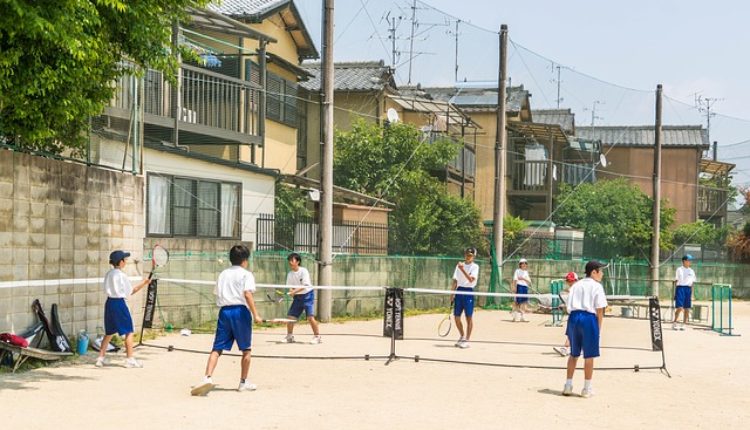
(586, 304)
(464, 279)
(684, 278)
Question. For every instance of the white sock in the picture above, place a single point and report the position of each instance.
(587, 384)
(569, 382)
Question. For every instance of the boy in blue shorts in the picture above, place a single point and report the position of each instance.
(521, 284)
(304, 297)
(117, 317)
(586, 304)
(464, 279)
(234, 295)
(683, 279)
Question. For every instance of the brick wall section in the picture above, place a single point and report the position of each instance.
(60, 220)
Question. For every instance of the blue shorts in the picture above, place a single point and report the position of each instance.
(235, 324)
(522, 289)
(583, 333)
(117, 317)
(302, 302)
(463, 303)
(683, 297)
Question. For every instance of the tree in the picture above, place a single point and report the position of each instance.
(701, 233)
(615, 215)
(739, 244)
(394, 163)
(60, 58)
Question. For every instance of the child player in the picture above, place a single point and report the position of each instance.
(586, 304)
(117, 317)
(570, 279)
(684, 278)
(521, 283)
(234, 295)
(464, 279)
(304, 298)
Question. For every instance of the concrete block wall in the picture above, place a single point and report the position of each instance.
(60, 220)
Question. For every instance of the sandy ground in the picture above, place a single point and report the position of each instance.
(708, 388)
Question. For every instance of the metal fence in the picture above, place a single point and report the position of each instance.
(301, 234)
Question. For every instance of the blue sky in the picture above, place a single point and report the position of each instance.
(689, 46)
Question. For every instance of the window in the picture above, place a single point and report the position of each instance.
(281, 99)
(180, 206)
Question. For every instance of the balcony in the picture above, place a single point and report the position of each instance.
(464, 165)
(530, 177)
(214, 109)
(711, 202)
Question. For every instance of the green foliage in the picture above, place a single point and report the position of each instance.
(60, 58)
(615, 214)
(701, 233)
(395, 163)
(291, 203)
(512, 227)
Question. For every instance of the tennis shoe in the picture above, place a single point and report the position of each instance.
(289, 338)
(675, 327)
(464, 344)
(460, 341)
(563, 351)
(101, 362)
(567, 390)
(132, 363)
(515, 316)
(203, 387)
(682, 327)
(316, 340)
(523, 318)
(587, 392)
(247, 386)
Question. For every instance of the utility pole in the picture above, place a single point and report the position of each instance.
(325, 253)
(455, 69)
(411, 37)
(657, 197)
(500, 143)
(392, 35)
(558, 86)
(704, 106)
(593, 112)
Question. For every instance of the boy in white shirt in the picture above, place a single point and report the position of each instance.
(234, 295)
(117, 317)
(304, 297)
(586, 304)
(521, 284)
(683, 279)
(464, 279)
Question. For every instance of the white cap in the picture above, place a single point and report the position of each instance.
(521, 261)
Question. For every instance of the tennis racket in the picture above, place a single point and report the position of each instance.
(277, 296)
(444, 328)
(280, 321)
(159, 258)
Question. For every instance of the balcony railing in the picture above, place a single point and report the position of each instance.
(711, 201)
(531, 176)
(211, 104)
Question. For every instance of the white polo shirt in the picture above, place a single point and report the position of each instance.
(519, 275)
(117, 285)
(231, 286)
(299, 279)
(461, 281)
(684, 276)
(586, 295)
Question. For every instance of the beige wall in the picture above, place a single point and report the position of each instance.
(679, 175)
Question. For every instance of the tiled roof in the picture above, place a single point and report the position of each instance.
(245, 7)
(672, 135)
(472, 99)
(352, 76)
(562, 117)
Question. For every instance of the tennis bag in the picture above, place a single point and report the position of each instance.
(62, 343)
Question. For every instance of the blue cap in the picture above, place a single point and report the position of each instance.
(116, 256)
(687, 257)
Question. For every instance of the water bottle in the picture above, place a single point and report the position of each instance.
(83, 342)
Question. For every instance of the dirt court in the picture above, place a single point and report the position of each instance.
(709, 387)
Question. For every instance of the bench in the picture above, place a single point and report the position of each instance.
(24, 354)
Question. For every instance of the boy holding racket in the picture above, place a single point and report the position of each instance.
(234, 295)
(570, 279)
(464, 279)
(683, 280)
(303, 298)
(521, 283)
(117, 317)
(586, 304)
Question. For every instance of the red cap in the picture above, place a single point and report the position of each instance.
(571, 277)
